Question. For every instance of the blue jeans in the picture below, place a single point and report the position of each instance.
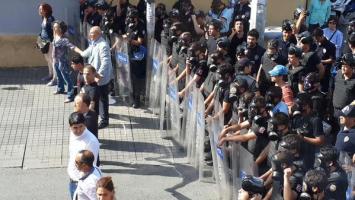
(72, 188)
(63, 75)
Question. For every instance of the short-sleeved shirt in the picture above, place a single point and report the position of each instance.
(280, 107)
(346, 141)
(325, 51)
(92, 90)
(344, 91)
(310, 60)
(296, 76)
(255, 54)
(314, 128)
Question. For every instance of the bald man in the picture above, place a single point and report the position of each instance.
(99, 56)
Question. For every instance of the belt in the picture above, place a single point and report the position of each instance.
(72, 181)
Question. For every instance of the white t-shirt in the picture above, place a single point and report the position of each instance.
(86, 141)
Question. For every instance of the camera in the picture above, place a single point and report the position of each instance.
(272, 130)
(253, 185)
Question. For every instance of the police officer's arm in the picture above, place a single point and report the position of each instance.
(210, 98)
(263, 155)
(235, 128)
(238, 138)
(288, 193)
(197, 28)
(210, 106)
(181, 76)
(195, 79)
(318, 141)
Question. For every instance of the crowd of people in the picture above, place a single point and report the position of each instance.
(290, 103)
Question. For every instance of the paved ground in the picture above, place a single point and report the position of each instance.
(34, 147)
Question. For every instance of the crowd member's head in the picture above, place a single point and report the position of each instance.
(280, 121)
(244, 66)
(84, 161)
(314, 184)
(273, 95)
(45, 10)
(347, 65)
(277, 73)
(252, 39)
(272, 48)
(306, 44)
(59, 28)
(328, 158)
(318, 35)
(304, 104)
(102, 7)
(81, 103)
(332, 23)
(89, 74)
(291, 143)
(105, 189)
(223, 45)
(351, 42)
(90, 9)
(286, 30)
(95, 33)
(77, 123)
(240, 52)
(217, 6)
(239, 24)
(214, 28)
(77, 63)
(294, 56)
(348, 116)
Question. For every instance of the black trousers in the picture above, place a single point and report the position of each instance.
(138, 78)
(103, 101)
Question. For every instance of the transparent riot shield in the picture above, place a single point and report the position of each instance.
(150, 20)
(219, 154)
(155, 78)
(191, 124)
(173, 110)
(123, 69)
(184, 107)
(346, 162)
(164, 105)
(204, 170)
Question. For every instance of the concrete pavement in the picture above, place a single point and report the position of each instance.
(34, 137)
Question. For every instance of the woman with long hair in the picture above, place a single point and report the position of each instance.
(46, 34)
(105, 189)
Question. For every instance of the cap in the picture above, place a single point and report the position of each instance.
(272, 44)
(310, 81)
(174, 13)
(278, 70)
(307, 40)
(348, 111)
(102, 5)
(223, 42)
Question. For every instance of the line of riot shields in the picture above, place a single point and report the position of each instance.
(182, 118)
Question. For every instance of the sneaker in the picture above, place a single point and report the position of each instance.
(59, 92)
(47, 78)
(68, 100)
(52, 83)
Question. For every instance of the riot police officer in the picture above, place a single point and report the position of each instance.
(136, 35)
(337, 178)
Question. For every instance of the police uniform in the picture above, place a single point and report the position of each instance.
(310, 60)
(138, 66)
(255, 54)
(325, 51)
(337, 184)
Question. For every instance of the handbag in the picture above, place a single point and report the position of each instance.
(43, 45)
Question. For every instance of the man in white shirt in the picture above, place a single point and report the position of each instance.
(90, 174)
(80, 139)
